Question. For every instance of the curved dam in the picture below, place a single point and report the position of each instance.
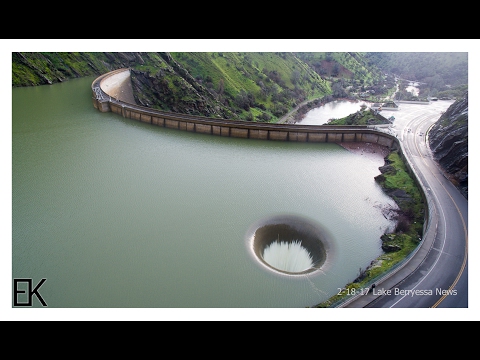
(112, 92)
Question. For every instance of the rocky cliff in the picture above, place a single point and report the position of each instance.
(448, 140)
(169, 86)
(35, 68)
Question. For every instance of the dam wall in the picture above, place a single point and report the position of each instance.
(260, 131)
(112, 92)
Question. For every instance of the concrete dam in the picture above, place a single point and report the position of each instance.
(112, 92)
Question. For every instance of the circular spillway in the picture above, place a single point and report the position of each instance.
(289, 244)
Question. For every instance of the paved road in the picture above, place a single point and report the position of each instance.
(290, 115)
(437, 275)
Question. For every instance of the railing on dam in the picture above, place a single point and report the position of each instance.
(235, 128)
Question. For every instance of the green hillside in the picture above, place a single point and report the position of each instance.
(252, 86)
(259, 86)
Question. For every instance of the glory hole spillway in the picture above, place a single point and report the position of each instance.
(290, 244)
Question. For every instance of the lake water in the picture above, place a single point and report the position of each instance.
(115, 213)
(332, 110)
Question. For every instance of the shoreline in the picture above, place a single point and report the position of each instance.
(372, 151)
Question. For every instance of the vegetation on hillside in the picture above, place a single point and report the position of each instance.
(440, 74)
(343, 65)
(251, 86)
(363, 116)
(265, 86)
(255, 86)
(42, 68)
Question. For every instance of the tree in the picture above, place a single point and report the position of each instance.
(221, 87)
(338, 91)
(244, 100)
(335, 70)
(295, 76)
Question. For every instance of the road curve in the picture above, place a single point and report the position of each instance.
(437, 274)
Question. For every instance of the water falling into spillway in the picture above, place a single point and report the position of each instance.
(288, 256)
(290, 244)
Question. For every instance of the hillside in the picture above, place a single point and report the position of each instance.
(248, 86)
(43, 68)
(439, 74)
